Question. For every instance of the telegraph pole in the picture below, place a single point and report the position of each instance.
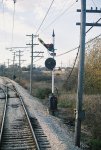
(13, 65)
(53, 35)
(11, 49)
(19, 55)
(80, 75)
(31, 66)
(8, 63)
(80, 114)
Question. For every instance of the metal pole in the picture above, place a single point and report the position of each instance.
(79, 112)
(53, 35)
(31, 67)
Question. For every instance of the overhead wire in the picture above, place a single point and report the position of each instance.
(56, 18)
(95, 6)
(78, 51)
(13, 22)
(73, 64)
(38, 59)
(45, 17)
(3, 14)
(77, 56)
(77, 46)
(3, 6)
(37, 55)
(59, 16)
(94, 3)
(93, 26)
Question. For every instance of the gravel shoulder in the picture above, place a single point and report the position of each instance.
(57, 133)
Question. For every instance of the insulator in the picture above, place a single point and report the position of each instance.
(14, 1)
(91, 8)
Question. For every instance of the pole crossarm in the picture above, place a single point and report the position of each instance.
(38, 56)
(33, 35)
(20, 47)
(31, 44)
(90, 11)
(90, 24)
(38, 52)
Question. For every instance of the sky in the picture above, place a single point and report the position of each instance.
(27, 18)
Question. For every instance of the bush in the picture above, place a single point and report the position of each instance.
(43, 93)
(95, 144)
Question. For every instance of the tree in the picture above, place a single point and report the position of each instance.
(93, 67)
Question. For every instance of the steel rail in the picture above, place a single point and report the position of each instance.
(35, 137)
(4, 113)
(27, 116)
(25, 111)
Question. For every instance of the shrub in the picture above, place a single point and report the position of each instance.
(66, 101)
(43, 93)
(95, 144)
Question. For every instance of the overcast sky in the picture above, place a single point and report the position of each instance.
(29, 14)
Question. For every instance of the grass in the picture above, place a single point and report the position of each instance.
(67, 104)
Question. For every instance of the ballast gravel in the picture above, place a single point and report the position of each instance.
(57, 133)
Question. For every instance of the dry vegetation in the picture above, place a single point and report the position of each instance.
(67, 94)
(66, 105)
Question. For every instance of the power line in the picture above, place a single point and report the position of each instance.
(77, 56)
(95, 6)
(67, 52)
(93, 26)
(58, 17)
(94, 3)
(73, 64)
(78, 46)
(38, 59)
(45, 16)
(13, 22)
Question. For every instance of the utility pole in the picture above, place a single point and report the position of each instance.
(19, 55)
(4, 69)
(80, 114)
(11, 49)
(13, 65)
(31, 66)
(53, 35)
(80, 75)
(8, 62)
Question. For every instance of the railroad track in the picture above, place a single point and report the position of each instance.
(18, 130)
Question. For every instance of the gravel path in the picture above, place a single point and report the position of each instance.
(57, 133)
